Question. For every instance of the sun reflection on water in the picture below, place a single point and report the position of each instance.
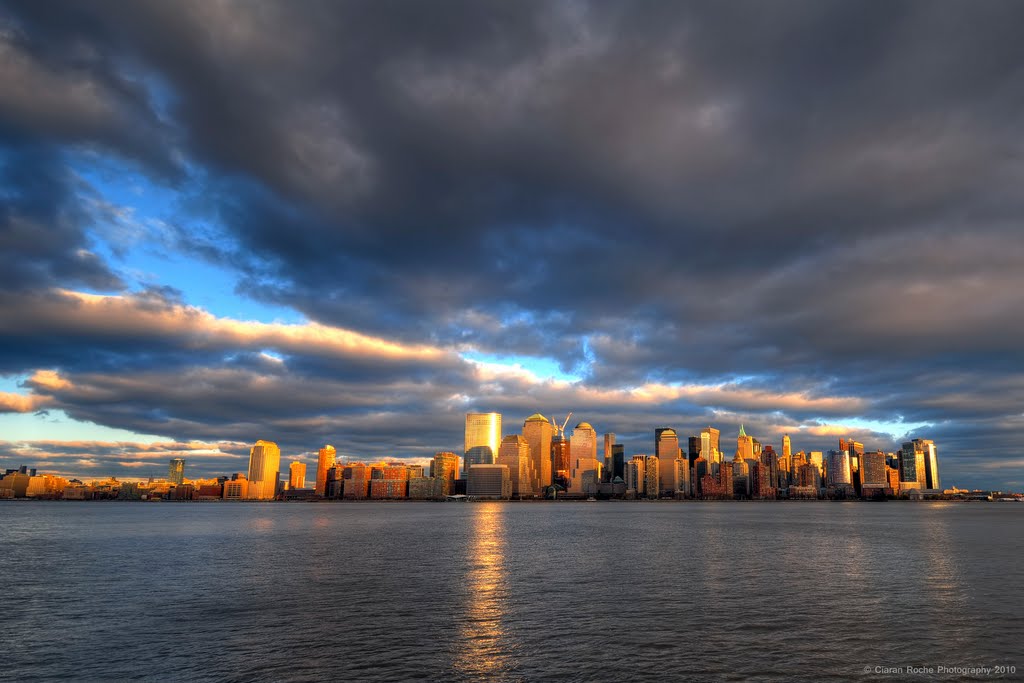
(484, 649)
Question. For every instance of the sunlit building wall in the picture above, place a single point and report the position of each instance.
(837, 468)
(514, 453)
(583, 459)
(873, 470)
(489, 481)
(324, 462)
(709, 446)
(912, 466)
(176, 471)
(537, 431)
(744, 446)
(483, 431)
(666, 448)
(264, 470)
(635, 482)
(297, 475)
(652, 476)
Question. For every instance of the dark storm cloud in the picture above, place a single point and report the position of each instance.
(810, 197)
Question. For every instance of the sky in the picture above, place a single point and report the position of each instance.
(353, 222)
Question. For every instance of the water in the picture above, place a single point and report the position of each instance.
(507, 591)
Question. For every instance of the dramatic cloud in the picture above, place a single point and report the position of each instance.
(802, 217)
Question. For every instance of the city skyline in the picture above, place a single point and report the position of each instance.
(326, 227)
(914, 461)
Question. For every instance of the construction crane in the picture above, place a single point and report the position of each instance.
(561, 430)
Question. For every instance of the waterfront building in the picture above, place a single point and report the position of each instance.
(236, 489)
(421, 488)
(264, 470)
(608, 465)
(538, 431)
(666, 448)
(652, 476)
(444, 469)
(325, 461)
(585, 470)
(514, 453)
(635, 480)
(913, 473)
(176, 471)
(356, 481)
(709, 447)
(837, 469)
(482, 437)
(297, 475)
(560, 457)
(489, 481)
(872, 470)
(817, 459)
(618, 461)
(699, 471)
(744, 446)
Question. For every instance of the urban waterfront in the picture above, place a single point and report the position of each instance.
(505, 591)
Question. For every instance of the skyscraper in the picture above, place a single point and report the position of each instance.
(618, 462)
(324, 462)
(787, 447)
(514, 453)
(538, 432)
(609, 443)
(584, 467)
(176, 471)
(919, 467)
(745, 446)
(635, 476)
(444, 468)
(297, 475)
(652, 476)
(264, 469)
(709, 448)
(837, 468)
(483, 431)
(666, 447)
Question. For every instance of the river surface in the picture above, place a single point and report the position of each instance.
(607, 591)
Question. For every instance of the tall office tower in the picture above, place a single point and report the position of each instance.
(693, 449)
(787, 447)
(514, 453)
(919, 467)
(709, 449)
(176, 471)
(666, 447)
(560, 459)
(324, 462)
(652, 476)
(683, 476)
(609, 443)
(744, 445)
(538, 432)
(297, 475)
(264, 469)
(872, 471)
(837, 468)
(700, 470)
(483, 431)
(618, 462)
(817, 459)
(635, 475)
(799, 460)
(585, 470)
(855, 450)
(444, 468)
(770, 459)
(756, 447)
